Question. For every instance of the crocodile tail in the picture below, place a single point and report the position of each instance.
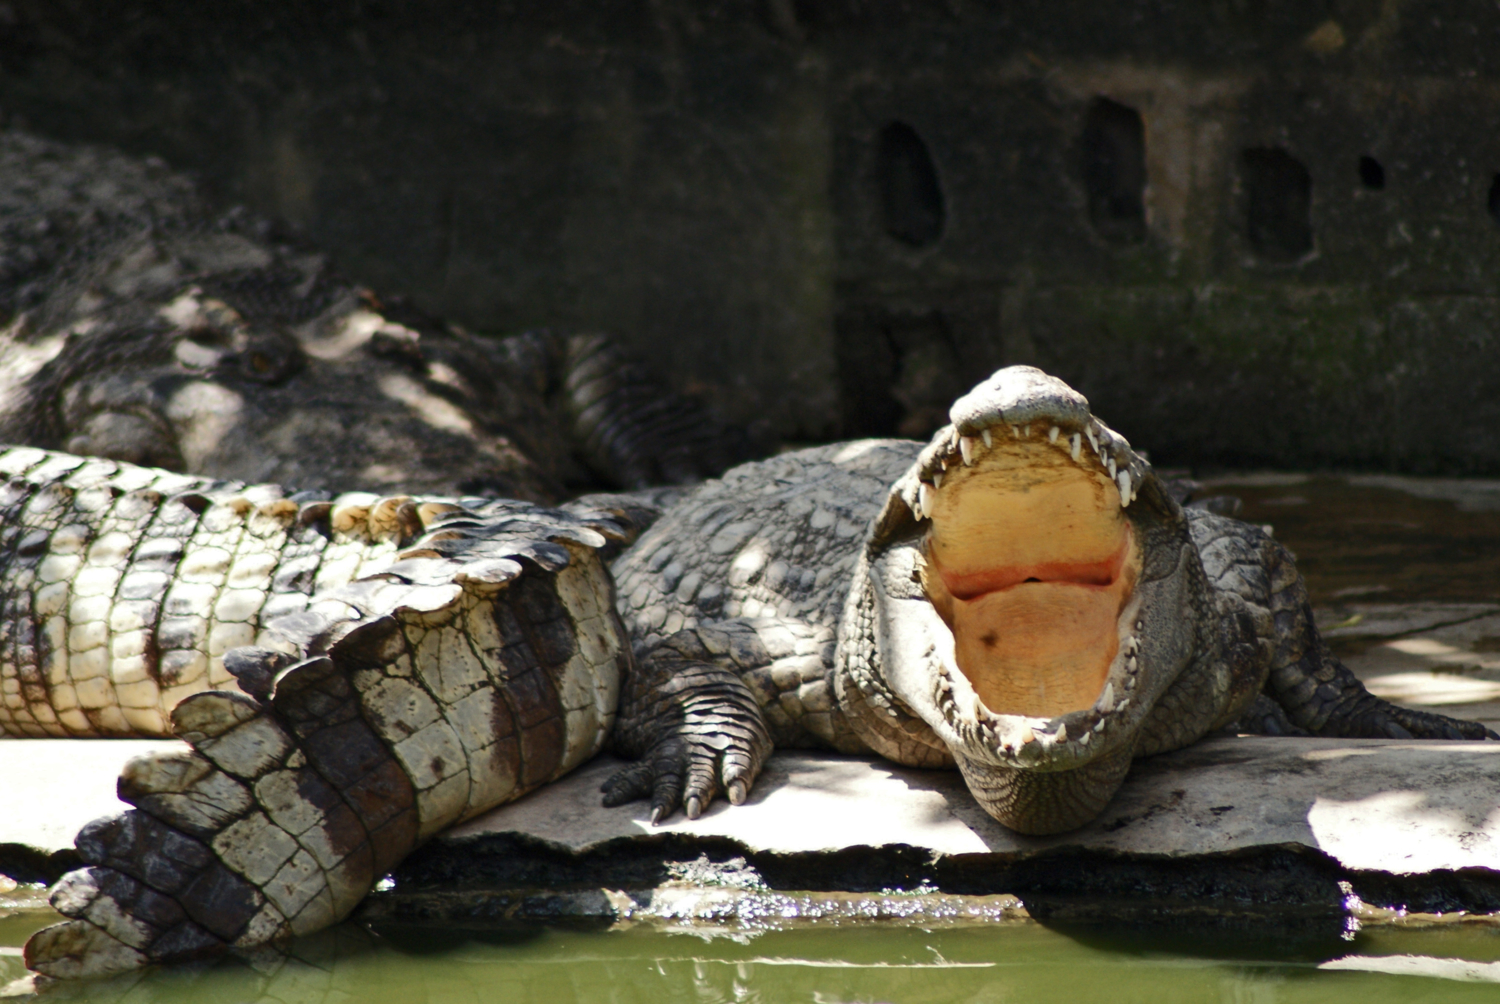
(483, 662)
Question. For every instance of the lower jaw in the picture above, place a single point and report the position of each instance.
(1038, 802)
(1039, 649)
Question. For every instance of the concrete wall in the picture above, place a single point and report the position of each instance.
(1252, 231)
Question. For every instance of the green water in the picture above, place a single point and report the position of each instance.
(990, 964)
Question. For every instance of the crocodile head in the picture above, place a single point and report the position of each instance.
(1029, 594)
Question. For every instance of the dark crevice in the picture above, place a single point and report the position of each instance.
(911, 198)
(1494, 200)
(898, 372)
(1114, 171)
(1278, 204)
(1371, 174)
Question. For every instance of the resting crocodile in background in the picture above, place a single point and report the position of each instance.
(1021, 598)
(139, 326)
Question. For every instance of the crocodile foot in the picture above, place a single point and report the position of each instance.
(694, 728)
(482, 664)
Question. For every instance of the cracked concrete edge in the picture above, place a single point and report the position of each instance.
(1372, 805)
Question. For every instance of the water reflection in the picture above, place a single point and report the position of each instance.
(980, 965)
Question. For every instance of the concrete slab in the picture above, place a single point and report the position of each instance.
(1393, 807)
(1451, 665)
(1371, 805)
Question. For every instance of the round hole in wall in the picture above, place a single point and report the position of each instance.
(911, 197)
(1113, 151)
(1278, 204)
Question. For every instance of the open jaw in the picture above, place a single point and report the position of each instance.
(1009, 582)
(1030, 562)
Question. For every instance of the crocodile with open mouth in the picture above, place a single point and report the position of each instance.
(1021, 598)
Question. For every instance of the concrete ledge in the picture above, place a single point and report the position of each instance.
(1275, 827)
(1371, 805)
(1269, 833)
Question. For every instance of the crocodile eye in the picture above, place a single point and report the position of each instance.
(269, 360)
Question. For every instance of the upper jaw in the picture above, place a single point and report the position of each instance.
(1021, 402)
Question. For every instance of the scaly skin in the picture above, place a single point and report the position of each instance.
(789, 603)
(832, 543)
(135, 325)
(480, 661)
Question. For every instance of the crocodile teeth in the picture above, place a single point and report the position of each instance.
(988, 442)
(1074, 442)
(1106, 700)
(1124, 479)
(1015, 430)
(1062, 732)
(1111, 468)
(1052, 434)
(937, 479)
(1027, 735)
(1124, 703)
(1100, 727)
(925, 497)
(1093, 440)
(966, 447)
(1084, 739)
(1130, 665)
(1130, 682)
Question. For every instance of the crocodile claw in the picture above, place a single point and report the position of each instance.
(697, 730)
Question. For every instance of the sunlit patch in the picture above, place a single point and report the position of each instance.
(1030, 561)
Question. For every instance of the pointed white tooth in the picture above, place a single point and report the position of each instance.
(1124, 703)
(1124, 478)
(1075, 441)
(1100, 726)
(1025, 431)
(937, 480)
(1111, 468)
(1130, 664)
(1083, 740)
(1015, 430)
(966, 447)
(1093, 440)
(988, 442)
(1106, 700)
(1062, 732)
(1130, 683)
(926, 496)
(1052, 434)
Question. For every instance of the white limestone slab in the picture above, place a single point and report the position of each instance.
(1399, 807)
(1396, 807)
(50, 787)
